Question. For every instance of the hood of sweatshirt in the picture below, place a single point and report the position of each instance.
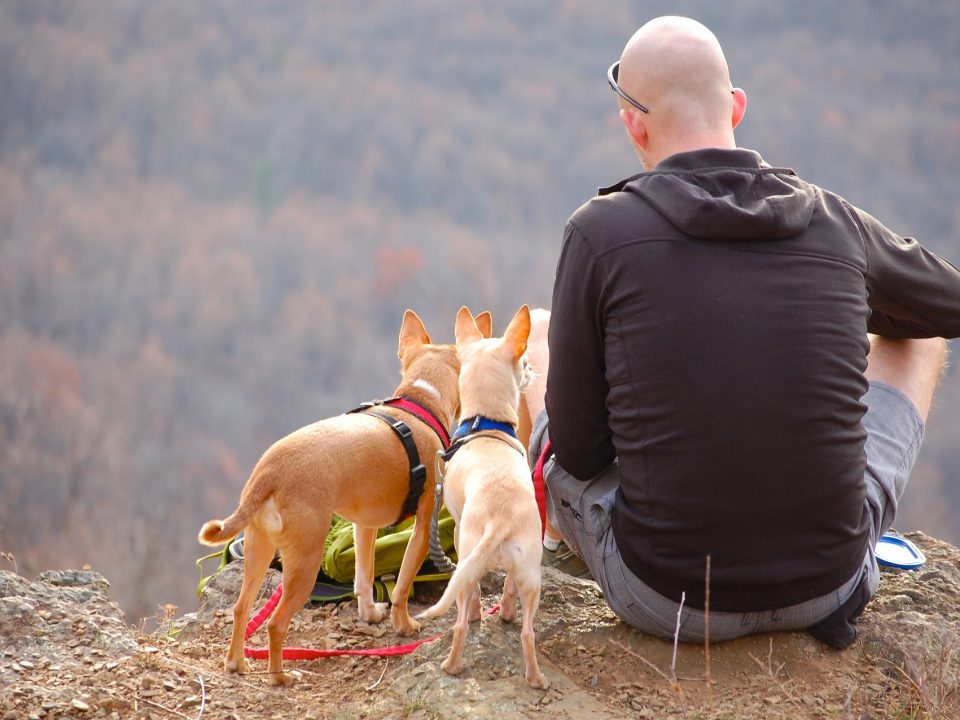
(717, 194)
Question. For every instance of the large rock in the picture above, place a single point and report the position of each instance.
(61, 614)
(908, 653)
(914, 621)
(62, 638)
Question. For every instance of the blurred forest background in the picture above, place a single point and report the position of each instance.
(212, 216)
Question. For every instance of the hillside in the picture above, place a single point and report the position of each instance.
(212, 218)
(77, 661)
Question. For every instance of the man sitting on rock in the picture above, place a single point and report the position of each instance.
(740, 368)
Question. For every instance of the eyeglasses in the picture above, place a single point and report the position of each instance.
(612, 74)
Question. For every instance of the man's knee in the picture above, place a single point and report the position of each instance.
(913, 366)
(538, 351)
(538, 355)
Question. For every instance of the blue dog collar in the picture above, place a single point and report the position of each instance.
(478, 423)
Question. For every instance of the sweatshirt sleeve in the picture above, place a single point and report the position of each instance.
(912, 292)
(576, 381)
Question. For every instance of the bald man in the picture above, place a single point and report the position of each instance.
(739, 367)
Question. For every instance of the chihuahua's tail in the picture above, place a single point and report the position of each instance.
(218, 532)
(469, 570)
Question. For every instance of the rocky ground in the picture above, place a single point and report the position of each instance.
(65, 652)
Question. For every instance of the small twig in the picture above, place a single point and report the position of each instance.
(642, 659)
(676, 638)
(771, 673)
(850, 693)
(385, 663)
(268, 672)
(673, 682)
(231, 677)
(766, 668)
(163, 707)
(203, 696)
(903, 672)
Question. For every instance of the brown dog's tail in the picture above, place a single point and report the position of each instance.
(218, 532)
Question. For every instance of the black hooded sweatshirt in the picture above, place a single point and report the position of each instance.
(709, 330)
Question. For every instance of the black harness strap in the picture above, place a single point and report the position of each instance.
(418, 473)
(464, 439)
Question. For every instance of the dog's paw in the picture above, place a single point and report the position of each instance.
(452, 666)
(538, 681)
(241, 667)
(282, 679)
(372, 612)
(403, 624)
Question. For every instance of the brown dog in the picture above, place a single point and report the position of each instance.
(488, 491)
(352, 465)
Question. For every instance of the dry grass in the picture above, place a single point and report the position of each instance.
(931, 674)
(9, 558)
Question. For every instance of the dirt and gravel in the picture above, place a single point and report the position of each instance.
(65, 652)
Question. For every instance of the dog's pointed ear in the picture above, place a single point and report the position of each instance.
(466, 328)
(518, 331)
(412, 333)
(485, 323)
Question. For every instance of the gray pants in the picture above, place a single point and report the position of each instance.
(582, 511)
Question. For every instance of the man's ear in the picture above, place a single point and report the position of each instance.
(739, 106)
(636, 126)
(518, 331)
(412, 332)
(466, 328)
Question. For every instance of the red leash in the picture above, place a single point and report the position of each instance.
(539, 488)
(296, 653)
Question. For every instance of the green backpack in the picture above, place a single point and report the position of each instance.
(335, 579)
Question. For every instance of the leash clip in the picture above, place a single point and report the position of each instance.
(439, 558)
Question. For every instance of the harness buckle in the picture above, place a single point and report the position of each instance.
(419, 474)
(375, 403)
(403, 430)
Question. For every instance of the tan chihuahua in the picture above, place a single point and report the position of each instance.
(352, 465)
(488, 491)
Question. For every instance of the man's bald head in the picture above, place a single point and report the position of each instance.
(676, 68)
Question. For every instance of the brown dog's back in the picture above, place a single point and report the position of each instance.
(350, 465)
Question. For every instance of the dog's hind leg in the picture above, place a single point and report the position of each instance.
(453, 665)
(299, 576)
(258, 552)
(508, 601)
(529, 590)
(474, 605)
(472, 598)
(364, 539)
